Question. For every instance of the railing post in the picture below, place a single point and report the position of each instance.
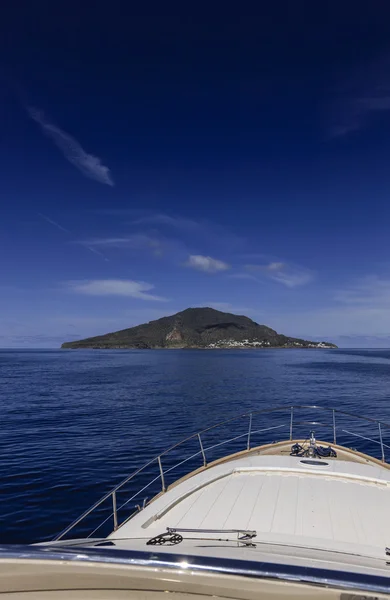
(381, 440)
(202, 450)
(249, 432)
(114, 512)
(334, 426)
(162, 474)
(291, 423)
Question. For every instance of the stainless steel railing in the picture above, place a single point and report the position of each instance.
(376, 581)
(292, 424)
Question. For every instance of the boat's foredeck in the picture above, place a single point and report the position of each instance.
(338, 505)
(248, 434)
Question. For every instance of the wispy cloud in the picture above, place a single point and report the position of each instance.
(243, 276)
(54, 223)
(276, 267)
(61, 228)
(91, 166)
(206, 264)
(148, 217)
(114, 287)
(155, 219)
(135, 241)
(363, 94)
(196, 235)
(287, 274)
(174, 222)
(360, 308)
(357, 113)
(370, 292)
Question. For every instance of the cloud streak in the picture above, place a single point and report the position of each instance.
(174, 222)
(206, 264)
(54, 223)
(360, 309)
(364, 94)
(61, 228)
(197, 235)
(91, 166)
(357, 112)
(245, 276)
(135, 241)
(370, 292)
(114, 287)
(287, 274)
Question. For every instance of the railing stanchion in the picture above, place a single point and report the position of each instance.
(249, 432)
(162, 474)
(381, 441)
(334, 427)
(291, 423)
(202, 450)
(114, 511)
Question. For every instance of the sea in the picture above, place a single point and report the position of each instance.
(74, 424)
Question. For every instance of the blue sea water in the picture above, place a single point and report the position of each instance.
(75, 423)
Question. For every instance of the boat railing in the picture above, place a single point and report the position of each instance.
(329, 577)
(295, 423)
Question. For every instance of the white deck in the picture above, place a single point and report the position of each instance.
(343, 507)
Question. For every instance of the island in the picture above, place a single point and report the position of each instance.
(196, 328)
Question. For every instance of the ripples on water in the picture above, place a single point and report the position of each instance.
(74, 423)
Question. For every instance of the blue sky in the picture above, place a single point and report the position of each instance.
(159, 160)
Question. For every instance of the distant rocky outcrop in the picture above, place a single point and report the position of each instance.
(197, 328)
